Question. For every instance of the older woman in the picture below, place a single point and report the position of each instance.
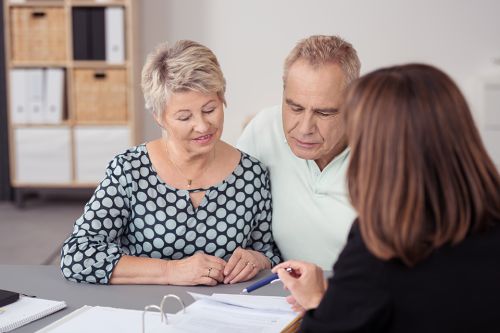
(186, 208)
(424, 255)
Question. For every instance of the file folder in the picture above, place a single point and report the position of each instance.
(115, 37)
(18, 96)
(54, 95)
(35, 95)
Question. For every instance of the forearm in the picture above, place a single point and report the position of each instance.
(140, 270)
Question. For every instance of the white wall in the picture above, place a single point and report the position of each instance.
(251, 39)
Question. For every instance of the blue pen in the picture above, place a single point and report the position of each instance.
(263, 282)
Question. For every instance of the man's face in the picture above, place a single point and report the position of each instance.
(313, 127)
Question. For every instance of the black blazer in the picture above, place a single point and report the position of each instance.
(456, 289)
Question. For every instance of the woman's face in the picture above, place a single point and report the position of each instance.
(193, 121)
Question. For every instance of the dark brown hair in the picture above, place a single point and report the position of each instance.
(419, 175)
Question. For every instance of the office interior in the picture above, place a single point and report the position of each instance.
(251, 40)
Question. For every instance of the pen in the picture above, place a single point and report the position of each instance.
(263, 282)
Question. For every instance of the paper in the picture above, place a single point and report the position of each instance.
(207, 315)
(266, 303)
(26, 310)
(210, 316)
(98, 319)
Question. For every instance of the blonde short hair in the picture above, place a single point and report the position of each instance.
(184, 66)
(319, 50)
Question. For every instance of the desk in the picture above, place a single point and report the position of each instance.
(47, 282)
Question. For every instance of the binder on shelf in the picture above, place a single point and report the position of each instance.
(88, 33)
(18, 96)
(35, 95)
(54, 95)
(81, 35)
(115, 35)
(97, 34)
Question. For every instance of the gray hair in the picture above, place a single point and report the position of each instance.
(319, 50)
(184, 66)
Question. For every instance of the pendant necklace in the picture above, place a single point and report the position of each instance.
(189, 180)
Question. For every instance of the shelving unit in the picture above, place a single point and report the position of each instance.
(97, 116)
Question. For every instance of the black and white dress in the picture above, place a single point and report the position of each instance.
(133, 212)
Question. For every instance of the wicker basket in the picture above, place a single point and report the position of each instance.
(38, 34)
(100, 95)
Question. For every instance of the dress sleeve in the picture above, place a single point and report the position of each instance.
(261, 237)
(357, 299)
(93, 249)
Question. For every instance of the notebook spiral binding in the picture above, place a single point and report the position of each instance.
(164, 318)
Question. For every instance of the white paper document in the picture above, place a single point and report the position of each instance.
(210, 316)
(207, 315)
(265, 303)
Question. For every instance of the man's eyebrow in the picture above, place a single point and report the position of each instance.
(326, 110)
(292, 103)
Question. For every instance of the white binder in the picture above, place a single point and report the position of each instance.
(54, 94)
(18, 96)
(115, 37)
(35, 95)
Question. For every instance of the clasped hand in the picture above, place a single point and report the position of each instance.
(209, 270)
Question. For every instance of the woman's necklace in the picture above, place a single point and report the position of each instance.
(189, 180)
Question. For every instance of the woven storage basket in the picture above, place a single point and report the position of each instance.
(38, 34)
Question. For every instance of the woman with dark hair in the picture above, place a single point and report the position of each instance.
(424, 253)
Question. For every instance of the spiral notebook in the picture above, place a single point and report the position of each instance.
(26, 310)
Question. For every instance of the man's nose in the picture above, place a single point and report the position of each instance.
(307, 123)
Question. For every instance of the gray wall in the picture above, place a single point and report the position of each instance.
(252, 38)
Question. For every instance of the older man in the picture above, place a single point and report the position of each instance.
(305, 149)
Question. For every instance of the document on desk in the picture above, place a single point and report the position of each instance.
(265, 303)
(206, 315)
(219, 313)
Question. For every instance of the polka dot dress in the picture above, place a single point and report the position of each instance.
(134, 212)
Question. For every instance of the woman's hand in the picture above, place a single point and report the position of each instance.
(305, 282)
(244, 265)
(295, 305)
(200, 268)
